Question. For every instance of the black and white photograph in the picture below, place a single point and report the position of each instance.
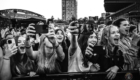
(69, 39)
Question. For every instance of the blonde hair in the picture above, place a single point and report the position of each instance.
(105, 36)
(50, 66)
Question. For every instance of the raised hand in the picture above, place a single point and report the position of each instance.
(30, 31)
(73, 27)
(9, 51)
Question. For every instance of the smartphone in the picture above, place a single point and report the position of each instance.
(11, 43)
(41, 28)
(97, 50)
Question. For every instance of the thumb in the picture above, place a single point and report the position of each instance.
(108, 69)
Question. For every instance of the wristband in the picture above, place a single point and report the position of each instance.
(28, 47)
(6, 58)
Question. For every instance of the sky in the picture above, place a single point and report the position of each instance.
(50, 8)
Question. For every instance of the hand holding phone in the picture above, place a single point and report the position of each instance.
(41, 28)
(11, 47)
(73, 27)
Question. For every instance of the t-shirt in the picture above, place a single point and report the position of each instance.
(76, 62)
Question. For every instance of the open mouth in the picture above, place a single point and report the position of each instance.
(116, 40)
(22, 47)
(127, 30)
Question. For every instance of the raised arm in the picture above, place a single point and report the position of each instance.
(5, 73)
(59, 51)
(30, 31)
(73, 39)
(1, 59)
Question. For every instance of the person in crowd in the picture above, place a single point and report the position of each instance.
(75, 56)
(82, 41)
(3, 31)
(1, 59)
(60, 37)
(34, 39)
(107, 57)
(22, 33)
(134, 37)
(22, 65)
(104, 40)
(48, 54)
(8, 49)
(128, 52)
(99, 33)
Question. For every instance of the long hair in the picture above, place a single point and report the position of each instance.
(45, 66)
(27, 66)
(64, 44)
(105, 41)
(104, 36)
(83, 45)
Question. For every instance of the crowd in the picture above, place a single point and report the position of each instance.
(108, 48)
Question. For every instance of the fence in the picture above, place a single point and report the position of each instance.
(127, 75)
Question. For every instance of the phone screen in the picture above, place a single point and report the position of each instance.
(41, 28)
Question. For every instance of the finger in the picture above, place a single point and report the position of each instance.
(73, 22)
(108, 70)
(30, 34)
(72, 27)
(93, 43)
(31, 27)
(97, 65)
(109, 75)
(14, 51)
(89, 48)
(113, 76)
(89, 52)
(31, 31)
(6, 47)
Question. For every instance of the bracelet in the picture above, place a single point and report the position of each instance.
(6, 58)
(28, 47)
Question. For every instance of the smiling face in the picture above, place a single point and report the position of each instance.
(114, 35)
(59, 36)
(124, 28)
(92, 39)
(21, 45)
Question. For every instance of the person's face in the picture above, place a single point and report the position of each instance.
(32, 40)
(114, 35)
(21, 45)
(92, 39)
(51, 31)
(135, 31)
(100, 34)
(59, 36)
(124, 28)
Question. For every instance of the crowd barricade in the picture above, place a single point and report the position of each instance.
(126, 75)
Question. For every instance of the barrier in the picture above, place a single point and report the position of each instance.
(126, 75)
